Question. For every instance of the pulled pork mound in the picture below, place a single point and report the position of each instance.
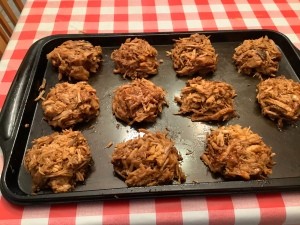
(238, 153)
(68, 104)
(76, 59)
(147, 161)
(58, 161)
(257, 57)
(138, 101)
(205, 100)
(279, 99)
(193, 55)
(135, 59)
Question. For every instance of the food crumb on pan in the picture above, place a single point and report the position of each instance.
(109, 144)
(90, 127)
(40, 96)
(236, 152)
(205, 100)
(58, 161)
(257, 57)
(279, 99)
(135, 58)
(148, 160)
(189, 152)
(41, 91)
(43, 85)
(193, 55)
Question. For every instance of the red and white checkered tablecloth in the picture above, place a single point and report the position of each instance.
(41, 18)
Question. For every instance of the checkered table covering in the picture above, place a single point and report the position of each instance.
(41, 18)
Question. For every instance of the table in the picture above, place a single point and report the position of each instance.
(41, 18)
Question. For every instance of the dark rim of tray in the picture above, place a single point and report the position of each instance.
(17, 111)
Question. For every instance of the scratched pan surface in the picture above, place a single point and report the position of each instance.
(189, 137)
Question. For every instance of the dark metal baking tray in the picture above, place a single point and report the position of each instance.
(20, 109)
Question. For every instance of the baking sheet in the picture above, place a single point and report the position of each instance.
(189, 137)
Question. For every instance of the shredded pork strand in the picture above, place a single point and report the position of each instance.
(76, 59)
(279, 99)
(139, 101)
(58, 161)
(43, 85)
(148, 160)
(68, 104)
(193, 55)
(205, 100)
(136, 58)
(238, 153)
(41, 91)
(257, 57)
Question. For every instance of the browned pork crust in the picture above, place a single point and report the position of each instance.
(58, 161)
(238, 153)
(68, 104)
(148, 160)
(138, 101)
(279, 99)
(257, 57)
(136, 58)
(76, 59)
(205, 100)
(193, 55)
